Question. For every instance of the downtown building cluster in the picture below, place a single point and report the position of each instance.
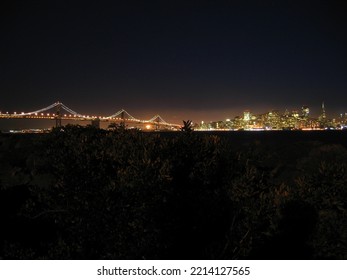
(275, 120)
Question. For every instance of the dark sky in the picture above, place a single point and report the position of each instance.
(200, 60)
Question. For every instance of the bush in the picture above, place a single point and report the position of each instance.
(88, 193)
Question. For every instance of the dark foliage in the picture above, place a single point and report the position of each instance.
(187, 126)
(86, 193)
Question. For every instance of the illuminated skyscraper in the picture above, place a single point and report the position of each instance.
(323, 115)
(305, 111)
(246, 115)
(322, 118)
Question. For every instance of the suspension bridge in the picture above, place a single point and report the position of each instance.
(58, 112)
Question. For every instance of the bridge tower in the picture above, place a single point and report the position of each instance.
(58, 115)
(122, 115)
(157, 123)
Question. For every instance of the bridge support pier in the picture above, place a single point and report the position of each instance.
(122, 115)
(157, 124)
(96, 123)
(58, 116)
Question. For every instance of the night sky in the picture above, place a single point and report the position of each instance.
(199, 60)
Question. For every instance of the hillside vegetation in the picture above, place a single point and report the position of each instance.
(84, 193)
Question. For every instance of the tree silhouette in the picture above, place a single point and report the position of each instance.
(187, 126)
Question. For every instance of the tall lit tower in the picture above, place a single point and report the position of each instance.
(323, 115)
(322, 118)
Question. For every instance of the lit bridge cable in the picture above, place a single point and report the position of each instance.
(39, 111)
(71, 111)
(122, 113)
(159, 119)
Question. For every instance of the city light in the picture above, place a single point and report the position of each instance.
(297, 119)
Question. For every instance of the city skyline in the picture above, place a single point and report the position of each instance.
(298, 118)
(183, 59)
(314, 113)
